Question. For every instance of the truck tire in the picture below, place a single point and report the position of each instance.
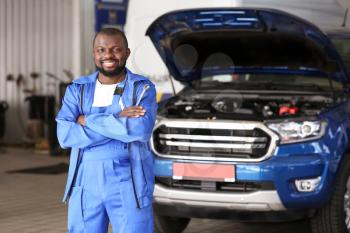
(334, 217)
(166, 224)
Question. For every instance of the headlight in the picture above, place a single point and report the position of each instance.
(297, 131)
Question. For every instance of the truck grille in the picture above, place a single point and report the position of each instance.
(212, 140)
(234, 187)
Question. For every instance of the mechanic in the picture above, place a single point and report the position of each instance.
(107, 119)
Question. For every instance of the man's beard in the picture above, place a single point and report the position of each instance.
(117, 71)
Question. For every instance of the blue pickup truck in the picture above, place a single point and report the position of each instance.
(261, 130)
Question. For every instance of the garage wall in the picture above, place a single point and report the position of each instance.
(35, 36)
(87, 32)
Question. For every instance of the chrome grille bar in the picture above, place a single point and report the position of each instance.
(215, 145)
(204, 124)
(212, 138)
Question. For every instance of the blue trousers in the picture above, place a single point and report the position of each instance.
(102, 193)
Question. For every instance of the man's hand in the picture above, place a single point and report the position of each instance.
(133, 111)
(81, 120)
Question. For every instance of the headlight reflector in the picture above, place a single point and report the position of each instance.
(296, 131)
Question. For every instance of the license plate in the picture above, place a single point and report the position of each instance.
(204, 171)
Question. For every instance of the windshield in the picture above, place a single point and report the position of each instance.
(343, 47)
(276, 82)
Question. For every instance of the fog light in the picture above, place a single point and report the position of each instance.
(307, 185)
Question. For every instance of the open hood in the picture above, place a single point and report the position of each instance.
(197, 42)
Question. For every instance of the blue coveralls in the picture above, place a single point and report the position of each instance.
(110, 176)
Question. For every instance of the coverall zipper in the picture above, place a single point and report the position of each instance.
(134, 187)
(132, 174)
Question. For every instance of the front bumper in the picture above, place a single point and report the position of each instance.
(260, 206)
(256, 201)
(282, 171)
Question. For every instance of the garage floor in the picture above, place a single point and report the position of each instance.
(31, 203)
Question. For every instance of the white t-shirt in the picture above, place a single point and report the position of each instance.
(104, 93)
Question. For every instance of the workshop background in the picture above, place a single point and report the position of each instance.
(44, 45)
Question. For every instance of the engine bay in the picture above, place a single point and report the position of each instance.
(245, 105)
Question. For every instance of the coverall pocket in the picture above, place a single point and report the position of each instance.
(75, 210)
(122, 170)
(131, 212)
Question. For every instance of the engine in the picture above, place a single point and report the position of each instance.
(245, 106)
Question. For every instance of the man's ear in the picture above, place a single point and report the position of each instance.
(128, 51)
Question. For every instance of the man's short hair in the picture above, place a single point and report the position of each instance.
(111, 32)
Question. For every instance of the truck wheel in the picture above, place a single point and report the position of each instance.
(334, 217)
(166, 224)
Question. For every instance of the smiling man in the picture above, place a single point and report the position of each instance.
(107, 119)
